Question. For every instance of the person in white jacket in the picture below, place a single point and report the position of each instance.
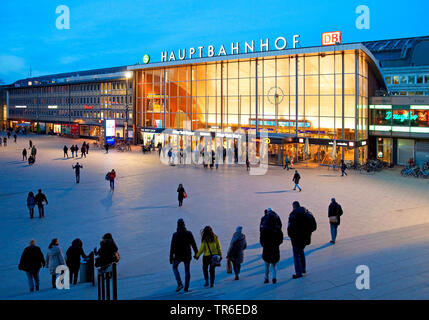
(54, 258)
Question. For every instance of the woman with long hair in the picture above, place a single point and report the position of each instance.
(54, 258)
(210, 246)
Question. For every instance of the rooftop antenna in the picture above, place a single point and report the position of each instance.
(30, 71)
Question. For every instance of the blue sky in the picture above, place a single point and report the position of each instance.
(106, 33)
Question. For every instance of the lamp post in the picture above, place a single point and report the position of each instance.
(128, 75)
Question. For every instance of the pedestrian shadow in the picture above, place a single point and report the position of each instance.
(153, 207)
(61, 159)
(328, 175)
(108, 201)
(258, 245)
(14, 162)
(276, 191)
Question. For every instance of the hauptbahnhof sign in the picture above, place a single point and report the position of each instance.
(211, 51)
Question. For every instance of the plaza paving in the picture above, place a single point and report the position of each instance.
(385, 224)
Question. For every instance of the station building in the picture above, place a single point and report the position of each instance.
(313, 101)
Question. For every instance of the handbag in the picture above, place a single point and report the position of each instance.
(333, 219)
(228, 266)
(215, 258)
(185, 195)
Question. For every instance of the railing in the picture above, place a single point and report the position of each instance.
(108, 281)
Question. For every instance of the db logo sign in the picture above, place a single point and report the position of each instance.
(331, 38)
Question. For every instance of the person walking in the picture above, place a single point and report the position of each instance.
(54, 258)
(86, 147)
(5, 141)
(14, 137)
(286, 163)
(212, 250)
(40, 200)
(76, 150)
(271, 237)
(170, 154)
(24, 154)
(180, 251)
(343, 168)
(106, 147)
(33, 151)
(31, 262)
(83, 151)
(108, 252)
(77, 168)
(181, 194)
(334, 213)
(73, 255)
(72, 150)
(236, 250)
(30, 144)
(111, 177)
(295, 179)
(66, 153)
(301, 224)
(31, 203)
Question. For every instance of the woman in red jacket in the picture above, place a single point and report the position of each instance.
(112, 175)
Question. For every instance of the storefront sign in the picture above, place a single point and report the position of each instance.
(401, 117)
(146, 59)
(264, 45)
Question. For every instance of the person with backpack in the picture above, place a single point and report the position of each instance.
(295, 179)
(31, 262)
(270, 238)
(54, 258)
(210, 246)
(300, 227)
(24, 154)
(180, 251)
(111, 177)
(31, 203)
(73, 255)
(40, 200)
(334, 213)
(181, 194)
(236, 250)
(66, 154)
(77, 168)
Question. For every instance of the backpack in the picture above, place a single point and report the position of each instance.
(311, 224)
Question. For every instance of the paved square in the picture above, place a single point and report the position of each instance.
(385, 224)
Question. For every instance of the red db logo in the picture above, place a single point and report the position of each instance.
(331, 38)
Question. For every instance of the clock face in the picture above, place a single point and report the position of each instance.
(146, 58)
(275, 95)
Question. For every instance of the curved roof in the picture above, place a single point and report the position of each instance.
(402, 52)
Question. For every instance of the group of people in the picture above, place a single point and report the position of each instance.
(32, 259)
(40, 200)
(75, 150)
(301, 225)
(33, 151)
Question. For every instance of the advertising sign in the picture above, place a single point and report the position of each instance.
(110, 130)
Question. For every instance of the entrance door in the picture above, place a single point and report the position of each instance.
(405, 150)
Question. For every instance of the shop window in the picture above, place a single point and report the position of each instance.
(426, 78)
(420, 118)
(419, 79)
(388, 80)
(395, 80)
(412, 79)
(403, 79)
(381, 117)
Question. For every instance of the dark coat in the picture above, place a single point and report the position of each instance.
(236, 248)
(335, 210)
(31, 259)
(297, 228)
(106, 253)
(296, 178)
(181, 244)
(73, 254)
(181, 193)
(271, 237)
(77, 168)
(40, 197)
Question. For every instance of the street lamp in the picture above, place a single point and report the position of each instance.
(128, 75)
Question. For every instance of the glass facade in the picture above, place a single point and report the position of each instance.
(321, 95)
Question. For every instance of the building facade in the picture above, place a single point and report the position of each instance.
(315, 96)
(74, 104)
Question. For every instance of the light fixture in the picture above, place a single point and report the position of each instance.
(128, 74)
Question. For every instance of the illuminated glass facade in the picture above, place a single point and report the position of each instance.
(316, 95)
